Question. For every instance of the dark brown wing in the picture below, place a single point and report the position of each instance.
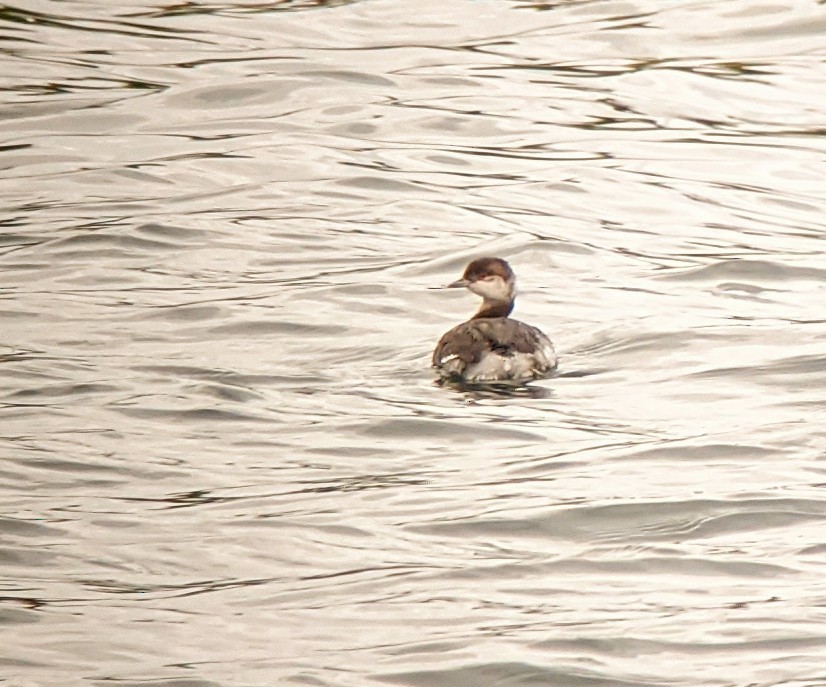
(470, 340)
(465, 343)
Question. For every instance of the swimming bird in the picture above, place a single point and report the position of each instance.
(491, 347)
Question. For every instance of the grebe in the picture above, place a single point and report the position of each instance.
(491, 347)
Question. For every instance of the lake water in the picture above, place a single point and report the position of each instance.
(225, 462)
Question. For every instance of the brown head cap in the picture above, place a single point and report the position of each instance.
(488, 267)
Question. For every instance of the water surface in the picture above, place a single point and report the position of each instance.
(226, 462)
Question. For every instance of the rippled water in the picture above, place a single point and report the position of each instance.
(226, 462)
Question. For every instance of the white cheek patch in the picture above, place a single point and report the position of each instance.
(495, 289)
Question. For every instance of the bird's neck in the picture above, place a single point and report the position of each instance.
(491, 308)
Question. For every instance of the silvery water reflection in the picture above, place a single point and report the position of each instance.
(226, 462)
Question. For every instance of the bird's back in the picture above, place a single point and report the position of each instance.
(494, 349)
